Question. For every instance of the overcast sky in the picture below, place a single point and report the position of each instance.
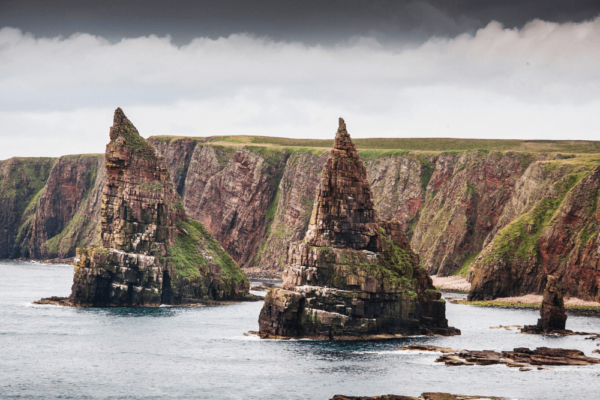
(452, 68)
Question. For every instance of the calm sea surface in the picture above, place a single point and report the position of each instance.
(49, 352)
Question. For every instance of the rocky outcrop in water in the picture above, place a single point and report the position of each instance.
(353, 276)
(520, 357)
(151, 253)
(552, 313)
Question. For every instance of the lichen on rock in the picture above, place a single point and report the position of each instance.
(151, 254)
(353, 276)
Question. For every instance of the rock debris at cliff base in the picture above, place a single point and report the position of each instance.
(353, 276)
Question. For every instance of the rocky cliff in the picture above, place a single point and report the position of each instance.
(353, 276)
(22, 181)
(451, 205)
(255, 195)
(550, 227)
(67, 211)
(151, 253)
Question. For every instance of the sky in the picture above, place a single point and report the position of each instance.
(391, 68)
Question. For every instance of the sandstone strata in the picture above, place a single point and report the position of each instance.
(353, 276)
(150, 253)
(550, 228)
(460, 210)
(509, 218)
(67, 212)
(21, 182)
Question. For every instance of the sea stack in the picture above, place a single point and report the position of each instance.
(353, 276)
(151, 254)
(552, 312)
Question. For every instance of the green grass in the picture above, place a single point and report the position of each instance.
(272, 209)
(224, 154)
(519, 239)
(138, 145)
(185, 255)
(465, 267)
(521, 305)
(446, 145)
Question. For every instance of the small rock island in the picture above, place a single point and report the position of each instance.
(553, 318)
(151, 254)
(353, 277)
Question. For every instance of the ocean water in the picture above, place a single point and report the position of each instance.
(49, 352)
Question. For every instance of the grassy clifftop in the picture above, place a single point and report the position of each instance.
(414, 144)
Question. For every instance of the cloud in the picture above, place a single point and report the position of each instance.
(539, 82)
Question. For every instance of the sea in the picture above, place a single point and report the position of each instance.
(51, 352)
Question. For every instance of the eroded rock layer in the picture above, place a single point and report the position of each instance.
(151, 253)
(353, 277)
(343, 215)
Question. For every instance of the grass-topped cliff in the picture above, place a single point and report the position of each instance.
(454, 197)
(407, 144)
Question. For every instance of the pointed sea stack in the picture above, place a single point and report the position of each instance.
(353, 276)
(552, 312)
(151, 254)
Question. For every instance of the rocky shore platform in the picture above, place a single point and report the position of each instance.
(424, 396)
(521, 357)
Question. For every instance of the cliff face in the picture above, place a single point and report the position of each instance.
(352, 276)
(254, 200)
(550, 228)
(464, 198)
(151, 253)
(451, 205)
(67, 212)
(229, 191)
(288, 215)
(21, 183)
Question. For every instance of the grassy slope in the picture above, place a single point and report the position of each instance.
(188, 255)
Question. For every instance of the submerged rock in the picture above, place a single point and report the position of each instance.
(353, 276)
(151, 254)
(520, 357)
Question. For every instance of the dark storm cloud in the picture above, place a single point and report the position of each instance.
(310, 21)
